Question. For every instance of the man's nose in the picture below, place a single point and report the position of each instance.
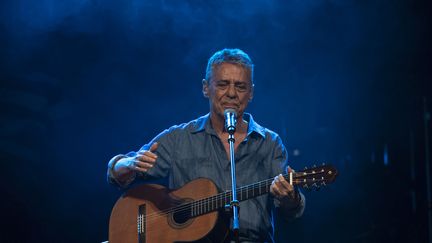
(232, 92)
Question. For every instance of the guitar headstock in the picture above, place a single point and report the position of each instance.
(315, 177)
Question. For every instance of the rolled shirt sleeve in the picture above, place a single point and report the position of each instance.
(280, 164)
(161, 168)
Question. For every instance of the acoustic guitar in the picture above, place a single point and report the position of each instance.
(151, 213)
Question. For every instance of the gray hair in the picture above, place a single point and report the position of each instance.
(233, 56)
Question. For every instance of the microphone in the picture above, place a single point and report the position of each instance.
(230, 120)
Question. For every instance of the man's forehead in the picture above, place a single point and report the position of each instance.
(226, 69)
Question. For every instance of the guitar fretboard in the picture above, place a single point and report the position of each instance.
(213, 203)
(309, 177)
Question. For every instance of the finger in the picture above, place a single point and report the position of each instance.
(148, 153)
(154, 146)
(285, 189)
(290, 170)
(136, 168)
(280, 181)
(274, 189)
(133, 165)
(143, 165)
(145, 158)
(285, 184)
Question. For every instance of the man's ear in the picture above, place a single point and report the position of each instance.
(205, 88)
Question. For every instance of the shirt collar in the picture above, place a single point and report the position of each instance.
(203, 124)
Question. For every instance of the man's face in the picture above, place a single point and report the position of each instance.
(230, 86)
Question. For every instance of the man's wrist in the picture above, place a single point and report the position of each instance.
(122, 178)
(292, 201)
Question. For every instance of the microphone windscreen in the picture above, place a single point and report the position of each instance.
(232, 111)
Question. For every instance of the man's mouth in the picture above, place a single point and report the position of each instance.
(232, 106)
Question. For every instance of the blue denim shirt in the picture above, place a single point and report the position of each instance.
(193, 150)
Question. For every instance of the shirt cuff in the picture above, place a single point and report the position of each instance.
(112, 178)
(292, 212)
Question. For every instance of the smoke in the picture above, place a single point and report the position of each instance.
(80, 79)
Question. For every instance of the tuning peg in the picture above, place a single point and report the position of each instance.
(316, 186)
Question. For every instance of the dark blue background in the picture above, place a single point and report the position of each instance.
(341, 81)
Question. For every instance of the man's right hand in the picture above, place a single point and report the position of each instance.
(142, 161)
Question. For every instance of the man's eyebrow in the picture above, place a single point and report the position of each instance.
(222, 80)
(228, 81)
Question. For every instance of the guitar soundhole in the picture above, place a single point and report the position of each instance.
(182, 216)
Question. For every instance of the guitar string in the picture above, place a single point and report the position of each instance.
(186, 208)
(185, 211)
(201, 203)
(223, 195)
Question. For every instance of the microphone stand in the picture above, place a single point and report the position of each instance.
(234, 204)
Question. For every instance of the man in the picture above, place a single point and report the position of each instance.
(200, 149)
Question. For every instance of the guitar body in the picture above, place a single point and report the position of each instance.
(158, 223)
(193, 213)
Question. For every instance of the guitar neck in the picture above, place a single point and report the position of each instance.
(213, 203)
(313, 177)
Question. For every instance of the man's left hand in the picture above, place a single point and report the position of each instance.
(282, 190)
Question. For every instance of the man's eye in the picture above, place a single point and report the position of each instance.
(241, 87)
(221, 85)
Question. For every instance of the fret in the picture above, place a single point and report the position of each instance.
(203, 206)
(212, 203)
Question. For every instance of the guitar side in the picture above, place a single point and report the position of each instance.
(157, 223)
(145, 214)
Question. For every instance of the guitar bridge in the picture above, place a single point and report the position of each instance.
(141, 223)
